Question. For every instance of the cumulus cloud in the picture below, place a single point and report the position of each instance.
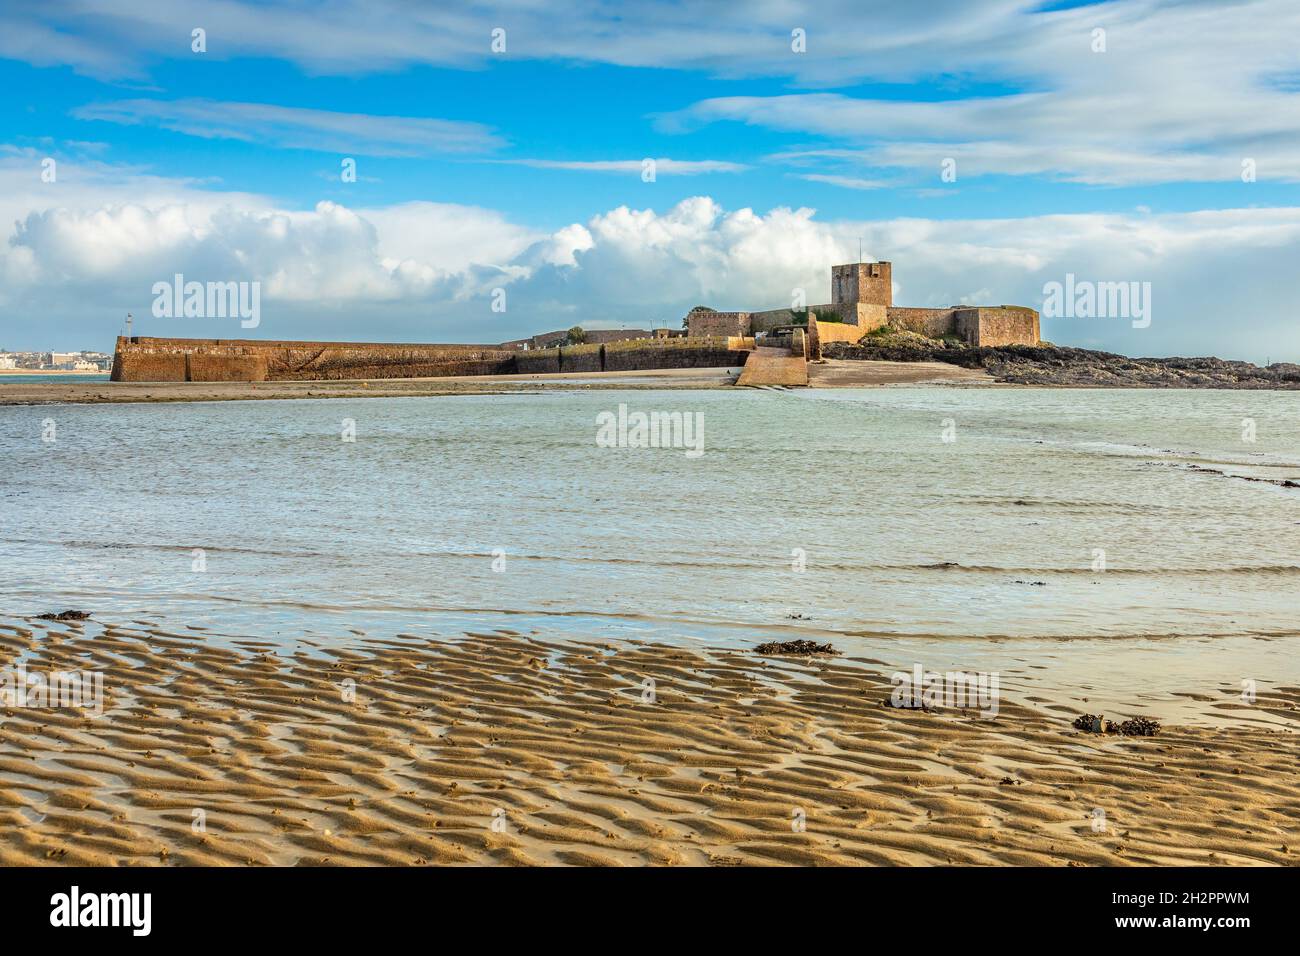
(427, 271)
(452, 236)
(1216, 276)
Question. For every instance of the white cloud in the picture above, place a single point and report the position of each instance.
(112, 38)
(847, 182)
(1183, 92)
(83, 254)
(1088, 138)
(454, 237)
(662, 166)
(298, 128)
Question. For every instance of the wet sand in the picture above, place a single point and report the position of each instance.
(502, 748)
(851, 374)
(49, 393)
(843, 373)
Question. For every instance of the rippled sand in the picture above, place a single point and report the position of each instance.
(500, 748)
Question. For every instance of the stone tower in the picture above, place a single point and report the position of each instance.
(862, 292)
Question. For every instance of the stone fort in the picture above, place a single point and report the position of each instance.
(773, 347)
(862, 300)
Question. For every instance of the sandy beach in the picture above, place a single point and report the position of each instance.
(502, 748)
(829, 374)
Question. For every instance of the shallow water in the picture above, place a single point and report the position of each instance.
(19, 378)
(993, 535)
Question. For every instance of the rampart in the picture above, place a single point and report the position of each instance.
(998, 325)
(142, 359)
(933, 322)
(705, 352)
(706, 322)
(828, 332)
(974, 325)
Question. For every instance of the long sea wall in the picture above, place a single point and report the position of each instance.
(146, 359)
(143, 359)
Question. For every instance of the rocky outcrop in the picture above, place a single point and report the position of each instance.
(1047, 364)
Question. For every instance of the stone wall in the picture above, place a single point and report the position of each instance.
(141, 359)
(144, 359)
(770, 319)
(865, 315)
(589, 357)
(813, 344)
(538, 361)
(717, 323)
(143, 366)
(828, 332)
(932, 322)
(710, 352)
(870, 283)
(860, 314)
(307, 361)
(799, 343)
(997, 325)
(975, 325)
(200, 367)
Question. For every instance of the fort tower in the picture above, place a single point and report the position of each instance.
(862, 293)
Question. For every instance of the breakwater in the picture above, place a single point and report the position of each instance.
(146, 359)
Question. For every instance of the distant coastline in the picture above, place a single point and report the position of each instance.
(46, 372)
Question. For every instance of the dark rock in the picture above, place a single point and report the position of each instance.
(1061, 365)
(1091, 723)
(1136, 727)
(794, 648)
(64, 616)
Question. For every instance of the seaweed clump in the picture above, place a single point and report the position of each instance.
(64, 616)
(794, 648)
(1134, 727)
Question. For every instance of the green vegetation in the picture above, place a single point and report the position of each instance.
(822, 315)
(575, 336)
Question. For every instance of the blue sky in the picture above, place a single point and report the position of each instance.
(1113, 156)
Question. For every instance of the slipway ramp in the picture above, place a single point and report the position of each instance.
(773, 366)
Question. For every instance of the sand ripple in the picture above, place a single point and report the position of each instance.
(503, 748)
